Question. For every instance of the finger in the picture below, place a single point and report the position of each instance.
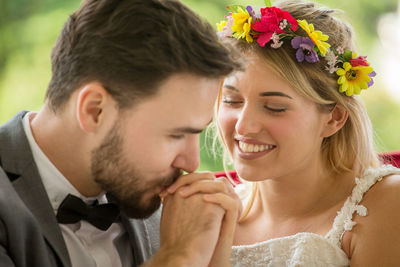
(208, 186)
(229, 204)
(204, 186)
(232, 193)
(228, 184)
(189, 179)
(170, 198)
(232, 182)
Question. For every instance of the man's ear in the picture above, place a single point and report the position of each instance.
(91, 101)
(337, 118)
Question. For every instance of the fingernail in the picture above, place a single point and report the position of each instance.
(171, 189)
(183, 191)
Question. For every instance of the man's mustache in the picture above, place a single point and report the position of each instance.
(172, 178)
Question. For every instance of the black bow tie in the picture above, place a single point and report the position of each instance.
(73, 209)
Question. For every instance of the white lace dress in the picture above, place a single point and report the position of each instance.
(309, 249)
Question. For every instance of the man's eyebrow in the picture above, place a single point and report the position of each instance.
(190, 130)
(275, 94)
(231, 87)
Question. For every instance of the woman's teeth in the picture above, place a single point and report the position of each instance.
(253, 148)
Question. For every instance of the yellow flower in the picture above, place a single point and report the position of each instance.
(221, 25)
(316, 36)
(353, 79)
(242, 25)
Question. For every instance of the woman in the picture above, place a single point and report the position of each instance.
(301, 141)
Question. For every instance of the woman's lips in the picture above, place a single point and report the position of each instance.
(249, 140)
(252, 149)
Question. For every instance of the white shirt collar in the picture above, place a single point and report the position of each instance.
(56, 185)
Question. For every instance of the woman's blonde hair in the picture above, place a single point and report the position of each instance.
(352, 147)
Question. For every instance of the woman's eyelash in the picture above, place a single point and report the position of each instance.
(276, 110)
(231, 102)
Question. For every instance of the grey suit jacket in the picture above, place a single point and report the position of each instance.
(37, 238)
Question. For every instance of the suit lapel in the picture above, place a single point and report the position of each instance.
(144, 236)
(18, 162)
(137, 257)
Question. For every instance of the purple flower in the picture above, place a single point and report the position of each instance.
(305, 49)
(372, 74)
(251, 13)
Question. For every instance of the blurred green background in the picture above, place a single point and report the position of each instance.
(29, 28)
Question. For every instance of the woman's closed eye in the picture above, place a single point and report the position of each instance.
(231, 101)
(275, 108)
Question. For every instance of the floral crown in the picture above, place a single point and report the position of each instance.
(275, 26)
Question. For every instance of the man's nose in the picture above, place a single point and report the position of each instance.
(188, 159)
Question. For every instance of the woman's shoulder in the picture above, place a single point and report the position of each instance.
(377, 188)
(377, 235)
(386, 186)
(382, 196)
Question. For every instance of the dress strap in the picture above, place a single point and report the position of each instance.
(343, 221)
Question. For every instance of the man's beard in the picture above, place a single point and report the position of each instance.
(123, 181)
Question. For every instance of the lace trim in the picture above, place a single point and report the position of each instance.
(343, 221)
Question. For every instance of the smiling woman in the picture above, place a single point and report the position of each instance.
(301, 143)
(263, 102)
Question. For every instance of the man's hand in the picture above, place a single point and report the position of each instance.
(218, 191)
(190, 227)
(200, 213)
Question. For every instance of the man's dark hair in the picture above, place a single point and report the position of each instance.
(130, 47)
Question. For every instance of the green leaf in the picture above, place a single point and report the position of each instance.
(267, 3)
(235, 8)
(347, 55)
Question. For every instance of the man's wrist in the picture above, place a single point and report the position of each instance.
(172, 257)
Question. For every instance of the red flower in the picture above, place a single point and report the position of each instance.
(359, 61)
(269, 23)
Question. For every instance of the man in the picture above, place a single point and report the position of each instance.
(133, 84)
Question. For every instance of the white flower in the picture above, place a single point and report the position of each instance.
(283, 24)
(331, 69)
(340, 50)
(276, 41)
(227, 29)
(331, 58)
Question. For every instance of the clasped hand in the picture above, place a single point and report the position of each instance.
(200, 213)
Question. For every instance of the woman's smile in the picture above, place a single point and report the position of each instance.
(251, 148)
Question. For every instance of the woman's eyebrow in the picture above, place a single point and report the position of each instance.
(275, 94)
(231, 87)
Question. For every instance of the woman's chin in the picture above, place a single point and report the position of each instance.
(249, 174)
